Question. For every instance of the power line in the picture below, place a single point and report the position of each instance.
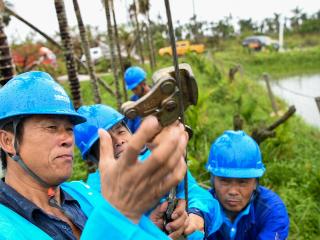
(293, 92)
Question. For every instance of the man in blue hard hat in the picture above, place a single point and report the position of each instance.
(37, 120)
(250, 211)
(87, 140)
(135, 78)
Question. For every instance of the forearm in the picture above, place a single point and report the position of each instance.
(105, 222)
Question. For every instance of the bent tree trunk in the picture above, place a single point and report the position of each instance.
(138, 33)
(117, 40)
(85, 46)
(7, 70)
(113, 58)
(68, 53)
(151, 41)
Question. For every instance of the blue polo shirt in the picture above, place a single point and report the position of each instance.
(53, 226)
(265, 218)
(133, 124)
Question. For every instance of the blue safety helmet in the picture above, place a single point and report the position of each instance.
(98, 116)
(235, 155)
(35, 93)
(133, 76)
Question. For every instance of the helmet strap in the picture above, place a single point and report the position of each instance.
(123, 122)
(93, 158)
(18, 159)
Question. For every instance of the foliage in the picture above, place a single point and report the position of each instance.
(278, 64)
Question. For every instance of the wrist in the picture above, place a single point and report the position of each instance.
(196, 212)
(117, 204)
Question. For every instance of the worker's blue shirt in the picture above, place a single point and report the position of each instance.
(50, 224)
(133, 124)
(265, 218)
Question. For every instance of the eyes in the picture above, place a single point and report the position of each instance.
(121, 131)
(55, 128)
(242, 182)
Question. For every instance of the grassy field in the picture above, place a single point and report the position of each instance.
(292, 158)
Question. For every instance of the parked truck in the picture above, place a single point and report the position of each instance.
(182, 48)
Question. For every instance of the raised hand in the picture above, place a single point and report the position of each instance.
(134, 187)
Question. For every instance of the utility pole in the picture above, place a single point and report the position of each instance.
(272, 99)
(281, 32)
(194, 10)
(318, 102)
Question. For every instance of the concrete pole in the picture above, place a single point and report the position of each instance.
(318, 102)
(272, 99)
(281, 32)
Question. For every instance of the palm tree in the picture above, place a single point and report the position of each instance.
(68, 53)
(247, 25)
(276, 20)
(296, 19)
(134, 14)
(7, 70)
(117, 40)
(144, 8)
(113, 58)
(127, 40)
(86, 50)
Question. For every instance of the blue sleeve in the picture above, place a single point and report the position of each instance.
(275, 223)
(105, 222)
(201, 200)
(93, 181)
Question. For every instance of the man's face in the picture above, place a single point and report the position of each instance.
(47, 146)
(120, 136)
(234, 193)
(139, 89)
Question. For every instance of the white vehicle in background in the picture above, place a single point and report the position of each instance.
(103, 52)
(95, 53)
(257, 43)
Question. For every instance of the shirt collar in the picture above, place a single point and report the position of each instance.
(14, 200)
(239, 216)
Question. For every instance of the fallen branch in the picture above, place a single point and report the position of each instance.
(259, 135)
(237, 122)
(233, 71)
(105, 86)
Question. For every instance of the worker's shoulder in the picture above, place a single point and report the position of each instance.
(268, 199)
(14, 226)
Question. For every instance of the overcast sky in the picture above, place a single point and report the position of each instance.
(42, 13)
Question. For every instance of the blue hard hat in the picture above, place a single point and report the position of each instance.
(133, 76)
(235, 155)
(35, 93)
(98, 116)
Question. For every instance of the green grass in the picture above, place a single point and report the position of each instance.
(277, 64)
